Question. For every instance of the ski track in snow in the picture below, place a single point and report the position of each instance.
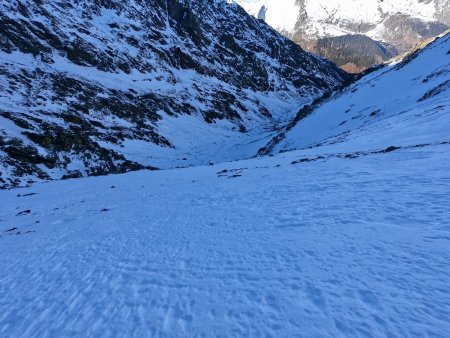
(338, 247)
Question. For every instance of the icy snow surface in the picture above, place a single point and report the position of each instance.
(336, 247)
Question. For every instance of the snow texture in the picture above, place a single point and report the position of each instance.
(336, 247)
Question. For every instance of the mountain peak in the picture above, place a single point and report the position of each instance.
(328, 28)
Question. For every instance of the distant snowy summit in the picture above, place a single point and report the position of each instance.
(354, 34)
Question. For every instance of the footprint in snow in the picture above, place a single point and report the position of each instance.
(22, 213)
(15, 231)
(26, 195)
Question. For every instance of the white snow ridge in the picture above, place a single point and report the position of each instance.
(339, 228)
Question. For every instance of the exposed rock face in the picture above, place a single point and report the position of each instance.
(107, 86)
(354, 52)
(394, 26)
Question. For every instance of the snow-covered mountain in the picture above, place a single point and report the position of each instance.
(107, 86)
(403, 104)
(391, 25)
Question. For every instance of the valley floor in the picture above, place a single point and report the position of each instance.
(321, 248)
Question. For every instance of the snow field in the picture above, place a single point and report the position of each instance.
(335, 247)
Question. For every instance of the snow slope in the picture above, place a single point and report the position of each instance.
(349, 237)
(273, 246)
(398, 103)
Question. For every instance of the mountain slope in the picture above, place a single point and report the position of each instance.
(396, 25)
(396, 105)
(354, 52)
(96, 87)
(346, 236)
(302, 243)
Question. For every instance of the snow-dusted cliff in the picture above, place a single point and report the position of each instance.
(337, 17)
(400, 24)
